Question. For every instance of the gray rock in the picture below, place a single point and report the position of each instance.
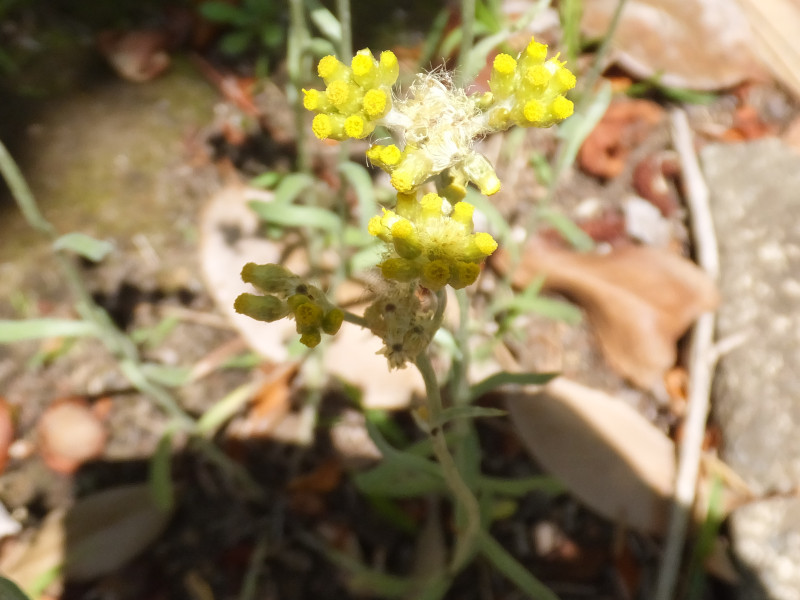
(755, 189)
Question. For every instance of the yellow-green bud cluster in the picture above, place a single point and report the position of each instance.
(431, 242)
(288, 296)
(355, 97)
(528, 91)
(398, 318)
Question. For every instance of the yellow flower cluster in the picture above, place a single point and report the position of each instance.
(287, 295)
(355, 96)
(432, 241)
(528, 91)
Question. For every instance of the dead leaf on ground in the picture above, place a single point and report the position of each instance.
(638, 300)
(137, 56)
(97, 536)
(6, 432)
(694, 44)
(608, 455)
(70, 433)
(625, 124)
(270, 404)
(775, 25)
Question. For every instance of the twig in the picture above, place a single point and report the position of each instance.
(702, 357)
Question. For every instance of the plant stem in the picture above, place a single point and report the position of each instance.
(296, 49)
(463, 496)
(343, 12)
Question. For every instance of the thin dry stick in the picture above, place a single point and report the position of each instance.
(702, 357)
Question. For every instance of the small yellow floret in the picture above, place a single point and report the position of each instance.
(465, 274)
(322, 126)
(504, 64)
(536, 51)
(462, 213)
(356, 127)
(311, 339)
(402, 181)
(431, 205)
(565, 79)
(308, 316)
(533, 111)
(332, 321)
(375, 102)
(561, 108)
(399, 269)
(362, 65)
(389, 67)
(391, 155)
(328, 66)
(485, 243)
(312, 99)
(375, 227)
(403, 230)
(537, 76)
(338, 93)
(435, 274)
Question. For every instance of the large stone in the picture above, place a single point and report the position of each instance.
(756, 207)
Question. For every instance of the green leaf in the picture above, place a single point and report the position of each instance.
(266, 180)
(166, 375)
(505, 378)
(31, 329)
(290, 215)
(358, 176)
(319, 47)
(325, 21)
(565, 226)
(521, 487)
(291, 186)
(222, 12)
(84, 245)
(511, 568)
(160, 473)
(221, 411)
(577, 128)
(236, 42)
(10, 591)
(468, 412)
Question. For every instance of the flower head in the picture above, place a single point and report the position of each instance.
(435, 124)
(288, 296)
(431, 241)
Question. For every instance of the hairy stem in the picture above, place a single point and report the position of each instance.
(463, 496)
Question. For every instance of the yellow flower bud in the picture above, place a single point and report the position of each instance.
(311, 339)
(561, 108)
(357, 127)
(435, 275)
(261, 308)
(332, 321)
(464, 274)
(399, 269)
(376, 103)
(329, 68)
(389, 68)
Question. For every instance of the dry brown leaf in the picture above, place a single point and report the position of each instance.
(608, 455)
(98, 535)
(775, 25)
(639, 300)
(6, 432)
(70, 434)
(695, 44)
(626, 123)
(135, 55)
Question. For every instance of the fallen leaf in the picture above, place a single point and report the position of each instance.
(6, 432)
(70, 434)
(137, 56)
(747, 125)
(694, 44)
(323, 479)
(625, 124)
(652, 180)
(609, 456)
(97, 536)
(638, 300)
(270, 404)
(775, 24)
(107, 529)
